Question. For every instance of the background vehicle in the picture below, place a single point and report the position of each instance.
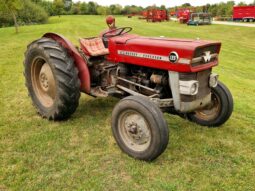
(191, 17)
(152, 75)
(154, 15)
(244, 13)
(183, 14)
(200, 19)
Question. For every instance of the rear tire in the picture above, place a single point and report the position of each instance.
(139, 128)
(51, 79)
(220, 110)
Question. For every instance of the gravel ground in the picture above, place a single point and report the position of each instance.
(234, 24)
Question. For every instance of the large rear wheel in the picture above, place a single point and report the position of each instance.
(51, 79)
(216, 113)
(139, 128)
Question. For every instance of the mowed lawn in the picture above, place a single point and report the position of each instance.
(81, 153)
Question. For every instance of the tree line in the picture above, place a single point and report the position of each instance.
(21, 12)
(67, 7)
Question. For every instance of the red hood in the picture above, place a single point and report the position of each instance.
(155, 51)
(135, 41)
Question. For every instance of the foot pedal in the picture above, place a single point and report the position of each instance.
(98, 92)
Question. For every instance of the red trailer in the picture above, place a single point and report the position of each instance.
(154, 15)
(173, 13)
(244, 13)
(157, 15)
(143, 15)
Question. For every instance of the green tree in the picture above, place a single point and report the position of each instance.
(242, 3)
(103, 10)
(67, 5)
(58, 6)
(163, 7)
(229, 8)
(37, 1)
(92, 8)
(11, 7)
(84, 8)
(221, 10)
(32, 13)
(186, 5)
(131, 9)
(48, 7)
(213, 10)
(115, 9)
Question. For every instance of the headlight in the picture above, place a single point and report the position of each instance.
(213, 81)
(194, 88)
(189, 87)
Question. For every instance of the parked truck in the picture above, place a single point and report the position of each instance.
(244, 13)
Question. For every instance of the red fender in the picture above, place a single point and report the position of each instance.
(79, 61)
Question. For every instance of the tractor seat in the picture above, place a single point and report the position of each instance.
(93, 46)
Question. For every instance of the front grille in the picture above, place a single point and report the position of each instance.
(203, 80)
(200, 53)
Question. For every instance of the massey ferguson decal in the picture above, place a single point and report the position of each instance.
(143, 55)
(173, 56)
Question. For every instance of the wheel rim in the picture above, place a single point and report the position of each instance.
(134, 130)
(43, 82)
(212, 111)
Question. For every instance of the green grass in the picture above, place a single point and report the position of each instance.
(81, 154)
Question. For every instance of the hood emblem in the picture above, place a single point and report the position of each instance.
(207, 56)
(173, 57)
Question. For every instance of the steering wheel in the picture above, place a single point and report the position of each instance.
(117, 32)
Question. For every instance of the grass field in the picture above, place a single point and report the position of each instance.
(81, 154)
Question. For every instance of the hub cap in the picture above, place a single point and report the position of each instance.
(134, 130)
(43, 82)
(211, 111)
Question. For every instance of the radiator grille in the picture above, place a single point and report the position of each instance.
(200, 52)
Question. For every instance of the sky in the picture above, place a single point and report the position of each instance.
(167, 3)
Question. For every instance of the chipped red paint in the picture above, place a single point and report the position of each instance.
(80, 63)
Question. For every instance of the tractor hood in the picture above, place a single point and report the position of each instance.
(157, 52)
(163, 46)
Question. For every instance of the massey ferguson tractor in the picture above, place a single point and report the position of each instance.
(150, 75)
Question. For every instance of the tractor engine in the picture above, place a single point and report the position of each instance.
(130, 78)
(146, 81)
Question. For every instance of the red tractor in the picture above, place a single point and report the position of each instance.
(150, 75)
(183, 14)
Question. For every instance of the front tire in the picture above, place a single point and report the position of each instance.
(218, 112)
(139, 128)
(51, 79)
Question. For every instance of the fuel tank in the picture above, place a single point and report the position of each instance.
(164, 53)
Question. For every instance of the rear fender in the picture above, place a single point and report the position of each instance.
(79, 61)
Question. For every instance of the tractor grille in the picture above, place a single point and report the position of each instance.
(203, 80)
(200, 53)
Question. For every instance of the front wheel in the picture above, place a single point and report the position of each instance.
(139, 128)
(216, 113)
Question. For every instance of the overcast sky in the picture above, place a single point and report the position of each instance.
(167, 3)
